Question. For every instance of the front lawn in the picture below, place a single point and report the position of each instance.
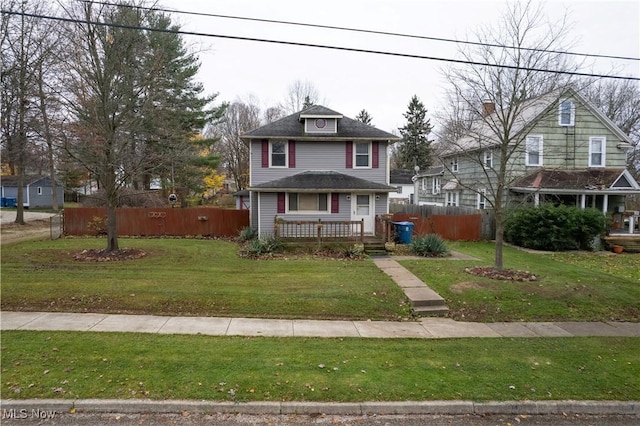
(575, 286)
(128, 365)
(194, 278)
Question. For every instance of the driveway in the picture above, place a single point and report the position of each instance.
(36, 228)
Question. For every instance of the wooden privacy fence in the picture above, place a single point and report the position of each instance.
(158, 222)
(451, 223)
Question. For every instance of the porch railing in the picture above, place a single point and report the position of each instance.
(320, 230)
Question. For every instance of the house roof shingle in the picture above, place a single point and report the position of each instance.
(292, 127)
(551, 179)
(320, 180)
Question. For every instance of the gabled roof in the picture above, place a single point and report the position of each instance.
(320, 180)
(432, 171)
(292, 127)
(12, 180)
(588, 179)
(531, 111)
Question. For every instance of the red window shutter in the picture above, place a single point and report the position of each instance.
(281, 203)
(335, 203)
(349, 155)
(265, 153)
(292, 154)
(375, 152)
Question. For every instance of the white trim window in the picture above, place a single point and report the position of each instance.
(362, 155)
(305, 202)
(566, 113)
(452, 199)
(533, 155)
(481, 199)
(435, 185)
(487, 161)
(454, 165)
(423, 184)
(278, 154)
(39, 190)
(597, 151)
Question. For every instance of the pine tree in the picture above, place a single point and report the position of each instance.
(415, 147)
(364, 117)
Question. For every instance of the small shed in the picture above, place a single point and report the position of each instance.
(37, 191)
(243, 200)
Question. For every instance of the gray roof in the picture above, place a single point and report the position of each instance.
(401, 177)
(12, 180)
(318, 180)
(292, 127)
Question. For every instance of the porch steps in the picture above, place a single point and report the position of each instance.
(424, 301)
(375, 247)
(629, 242)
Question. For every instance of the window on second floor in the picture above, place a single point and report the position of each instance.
(454, 165)
(278, 154)
(533, 155)
(566, 113)
(306, 202)
(423, 184)
(597, 149)
(487, 161)
(362, 154)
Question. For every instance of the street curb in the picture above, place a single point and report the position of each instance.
(60, 406)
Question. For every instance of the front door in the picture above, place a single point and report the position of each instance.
(362, 208)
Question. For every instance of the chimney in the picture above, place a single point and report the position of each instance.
(488, 108)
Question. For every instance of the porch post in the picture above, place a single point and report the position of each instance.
(583, 201)
(362, 230)
(605, 204)
(536, 199)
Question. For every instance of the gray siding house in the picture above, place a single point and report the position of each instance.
(318, 165)
(565, 151)
(37, 191)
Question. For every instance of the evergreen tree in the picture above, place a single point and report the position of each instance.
(364, 117)
(415, 147)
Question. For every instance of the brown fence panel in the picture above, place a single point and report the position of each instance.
(452, 228)
(158, 222)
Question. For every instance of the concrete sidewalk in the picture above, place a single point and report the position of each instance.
(424, 328)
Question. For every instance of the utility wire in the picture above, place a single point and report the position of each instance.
(360, 30)
(321, 46)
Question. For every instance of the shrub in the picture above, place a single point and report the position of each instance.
(259, 247)
(355, 251)
(430, 245)
(554, 228)
(247, 234)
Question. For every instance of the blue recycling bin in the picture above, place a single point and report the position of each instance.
(404, 232)
(9, 202)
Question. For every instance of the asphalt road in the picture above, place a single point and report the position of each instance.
(193, 419)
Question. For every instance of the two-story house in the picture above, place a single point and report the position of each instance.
(564, 150)
(318, 165)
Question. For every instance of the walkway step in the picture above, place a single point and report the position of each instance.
(440, 310)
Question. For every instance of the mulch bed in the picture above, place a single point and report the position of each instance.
(95, 255)
(505, 274)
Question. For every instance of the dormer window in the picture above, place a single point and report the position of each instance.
(566, 113)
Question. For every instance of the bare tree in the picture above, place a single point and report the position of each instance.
(27, 44)
(239, 118)
(137, 109)
(300, 95)
(490, 99)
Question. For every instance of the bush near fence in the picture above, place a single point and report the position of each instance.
(450, 223)
(152, 222)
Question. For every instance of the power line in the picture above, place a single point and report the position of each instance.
(320, 46)
(360, 30)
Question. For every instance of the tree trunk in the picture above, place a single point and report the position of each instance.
(112, 228)
(498, 264)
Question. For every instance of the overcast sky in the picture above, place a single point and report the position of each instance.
(383, 85)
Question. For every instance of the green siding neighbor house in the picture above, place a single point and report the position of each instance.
(564, 150)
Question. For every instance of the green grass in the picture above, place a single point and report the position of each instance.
(117, 365)
(194, 277)
(577, 286)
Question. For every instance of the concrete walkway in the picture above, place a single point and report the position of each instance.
(425, 328)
